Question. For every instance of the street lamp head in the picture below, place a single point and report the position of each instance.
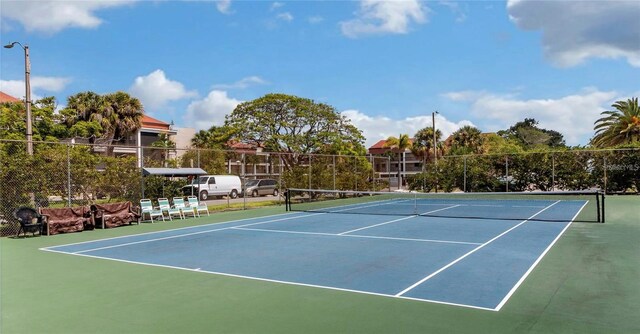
(12, 44)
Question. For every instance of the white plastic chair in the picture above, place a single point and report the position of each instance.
(164, 205)
(147, 207)
(193, 203)
(178, 203)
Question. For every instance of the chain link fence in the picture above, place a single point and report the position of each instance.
(68, 174)
(613, 171)
(72, 174)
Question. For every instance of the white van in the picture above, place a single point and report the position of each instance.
(206, 186)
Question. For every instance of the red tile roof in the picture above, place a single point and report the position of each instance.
(380, 145)
(152, 123)
(378, 148)
(7, 98)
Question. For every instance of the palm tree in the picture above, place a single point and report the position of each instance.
(402, 143)
(165, 144)
(121, 117)
(466, 140)
(424, 138)
(201, 139)
(84, 109)
(619, 126)
(117, 115)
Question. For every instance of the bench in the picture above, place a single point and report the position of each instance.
(66, 220)
(114, 214)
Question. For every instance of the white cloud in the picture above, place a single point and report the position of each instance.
(573, 31)
(40, 86)
(571, 115)
(315, 19)
(455, 8)
(276, 5)
(202, 114)
(375, 128)
(242, 83)
(384, 17)
(51, 16)
(224, 6)
(286, 16)
(154, 90)
(50, 84)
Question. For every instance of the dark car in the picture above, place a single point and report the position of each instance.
(262, 187)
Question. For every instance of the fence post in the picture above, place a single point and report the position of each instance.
(553, 172)
(373, 171)
(69, 174)
(279, 178)
(506, 178)
(604, 167)
(310, 171)
(464, 178)
(334, 172)
(142, 173)
(389, 173)
(355, 165)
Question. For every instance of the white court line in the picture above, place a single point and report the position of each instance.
(357, 236)
(388, 222)
(199, 270)
(379, 203)
(470, 252)
(188, 234)
(396, 220)
(301, 214)
(515, 287)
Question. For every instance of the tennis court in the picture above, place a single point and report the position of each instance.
(469, 262)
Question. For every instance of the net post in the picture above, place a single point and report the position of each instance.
(287, 207)
(598, 208)
(603, 206)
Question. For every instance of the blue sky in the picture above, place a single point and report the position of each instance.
(384, 64)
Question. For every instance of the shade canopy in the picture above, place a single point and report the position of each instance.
(173, 171)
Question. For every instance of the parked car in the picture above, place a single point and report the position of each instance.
(262, 187)
(206, 186)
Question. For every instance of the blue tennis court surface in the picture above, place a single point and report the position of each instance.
(475, 263)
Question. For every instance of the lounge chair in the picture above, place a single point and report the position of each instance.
(147, 207)
(197, 207)
(165, 206)
(178, 202)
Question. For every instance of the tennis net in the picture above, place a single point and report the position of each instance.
(559, 206)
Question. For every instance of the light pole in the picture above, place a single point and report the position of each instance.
(435, 144)
(27, 99)
(435, 147)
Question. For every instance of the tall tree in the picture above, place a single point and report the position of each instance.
(80, 115)
(619, 126)
(423, 140)
(529, 135)
(108, 117)
(123, 115)
(294, 125)
(215, 137)
(399, 144)
(466, 140)
(164, 145)
(46, 122)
